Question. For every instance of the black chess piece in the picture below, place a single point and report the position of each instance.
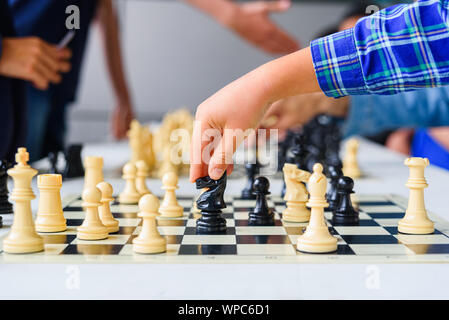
(345, 214)
(74, 164)
(334, 173)
(5, 206)
(296, 154)
(53, 159)
(210, 203)
(262, 215)
(252, 169)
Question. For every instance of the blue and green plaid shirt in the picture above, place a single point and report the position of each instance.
(401, 48)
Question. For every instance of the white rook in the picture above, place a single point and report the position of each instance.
(50, 217)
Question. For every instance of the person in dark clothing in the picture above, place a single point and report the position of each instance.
(30, 59)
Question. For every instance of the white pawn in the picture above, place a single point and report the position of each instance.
(104, 210)
(23, 237)
(130, 195)
(170, 207)
(317, 238)
(50, 217)
(296, 194)
(143, 172)
(92, 227)
(149, 239)
(93, 171)
(416, 220)
(350, 164)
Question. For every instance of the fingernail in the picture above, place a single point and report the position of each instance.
(217, 173)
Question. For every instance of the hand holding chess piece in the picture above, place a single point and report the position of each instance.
(416, 220)
(350, 164)
(317, 238)
(149, 239)
(296, 194)
(22, 237)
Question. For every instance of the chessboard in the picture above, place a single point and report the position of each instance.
(374, 239)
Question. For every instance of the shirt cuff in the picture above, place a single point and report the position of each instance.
(337, 65)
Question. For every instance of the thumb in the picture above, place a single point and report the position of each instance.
(277, 6)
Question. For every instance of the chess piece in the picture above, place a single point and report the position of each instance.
(345, 213)
(150, 158)
(92, 227)
(296, 154)
(149, 239)
(130, 195)
(334, 172)
(170, 207)
(104, 210)
(5, 206)
(166, 164)
(350, 165)
(50, 217)
(296, 194)
(197, 212)
(94, 171)
(142, 174)
(210, 202)
(261, 215)
(416, 220)
(135, 142)
(53, 159)
(74, 165)
(317, 238)
(22, 237)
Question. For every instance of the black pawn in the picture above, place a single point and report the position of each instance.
(345, 214)
(74, 165)
(262, 215)
(334, 172)
(53, 159)
(5, 206)
(252, 169)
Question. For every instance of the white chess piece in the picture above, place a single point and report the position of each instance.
(92, 227)
(149, 239)
(350, 164)
(416, 220)
(170, 207)
(142, 174)
(130, 195)
(317, 238)
(93, 171)
(104, 210)
(50, 217)
(296, 194)
(135, 141)
(23, 237)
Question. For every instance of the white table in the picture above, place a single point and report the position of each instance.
(385, 173)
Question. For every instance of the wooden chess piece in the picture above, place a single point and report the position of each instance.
(317, 238)
(5, 205)
(262, 214)
(50, 217)
(416, 220)
(104, 210)
(93, 171)
(345, 214)
(296, 194)
(23, 237)
(149, 239)
(92, 227)
(74, 165)
(170, 207)
(143, 173)
(135, 142)
(334, 172)
(350, 164)
(130, 195)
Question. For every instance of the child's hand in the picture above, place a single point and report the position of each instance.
(252, 22)
(240, 106)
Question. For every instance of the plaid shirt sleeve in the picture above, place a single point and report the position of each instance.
(402, 48)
